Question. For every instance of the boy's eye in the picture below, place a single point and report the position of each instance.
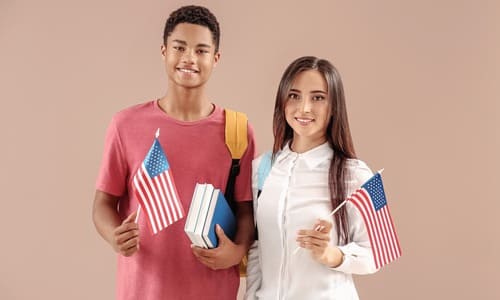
(202, 51)
(179, 48)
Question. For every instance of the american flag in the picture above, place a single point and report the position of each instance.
(156, 191)
(371, 202)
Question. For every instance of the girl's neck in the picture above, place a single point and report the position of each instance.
(301, 145)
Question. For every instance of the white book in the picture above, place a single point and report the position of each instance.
(208, 208)
(194, 208)
(202, 215)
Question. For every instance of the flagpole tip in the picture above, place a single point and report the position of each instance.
(157, 134)
(380, 171)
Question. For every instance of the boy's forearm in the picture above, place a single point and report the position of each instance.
(246, 229)
(105, 215)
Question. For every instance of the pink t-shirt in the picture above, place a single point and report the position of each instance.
(164, 267)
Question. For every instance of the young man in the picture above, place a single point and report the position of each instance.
(165, 266)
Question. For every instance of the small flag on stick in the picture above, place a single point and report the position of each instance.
(155, 189)
(371, 202)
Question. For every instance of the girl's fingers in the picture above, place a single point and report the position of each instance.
(323, 226)
(313, 240)
(313, 235)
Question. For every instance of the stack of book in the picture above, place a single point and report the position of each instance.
(208, 208)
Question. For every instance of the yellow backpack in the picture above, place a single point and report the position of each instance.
(236, 137)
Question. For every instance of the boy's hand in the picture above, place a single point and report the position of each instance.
(226, 255)
(126, 236)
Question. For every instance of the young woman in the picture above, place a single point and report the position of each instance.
(314, 169)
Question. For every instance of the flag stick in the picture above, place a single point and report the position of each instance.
(335, 210)
(138, 213)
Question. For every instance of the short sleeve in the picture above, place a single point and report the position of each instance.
(113, 172)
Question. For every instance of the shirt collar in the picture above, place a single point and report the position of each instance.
(313, 157)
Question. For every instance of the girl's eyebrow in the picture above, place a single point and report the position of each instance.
(319, 91)
(312, 92)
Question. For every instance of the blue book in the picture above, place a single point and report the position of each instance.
(220, 213)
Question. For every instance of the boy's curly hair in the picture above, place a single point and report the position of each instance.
(193, 14)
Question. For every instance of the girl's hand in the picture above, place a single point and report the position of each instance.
(317, 241)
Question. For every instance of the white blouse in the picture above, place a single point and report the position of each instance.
(294, 196)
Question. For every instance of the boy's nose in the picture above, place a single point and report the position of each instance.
(188, 56)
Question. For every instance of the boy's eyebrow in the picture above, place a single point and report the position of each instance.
(180, 42)
(184, 43)
(204, 46)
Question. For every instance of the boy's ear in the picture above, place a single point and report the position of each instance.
(163, 51)
(216, 58)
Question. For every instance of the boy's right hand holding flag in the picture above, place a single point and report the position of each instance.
(126, 236)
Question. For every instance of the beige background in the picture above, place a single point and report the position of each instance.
(422, 84)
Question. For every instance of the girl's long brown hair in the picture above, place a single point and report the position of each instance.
(337, 133)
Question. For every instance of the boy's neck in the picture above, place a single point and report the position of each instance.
(186, 104)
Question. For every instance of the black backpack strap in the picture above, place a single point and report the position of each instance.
(231, 180)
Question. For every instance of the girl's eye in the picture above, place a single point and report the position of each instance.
(293, 96)
(318, 98)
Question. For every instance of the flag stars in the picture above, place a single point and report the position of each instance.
(376, 190)
(156, 161)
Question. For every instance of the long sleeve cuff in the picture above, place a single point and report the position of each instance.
(357, 260)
